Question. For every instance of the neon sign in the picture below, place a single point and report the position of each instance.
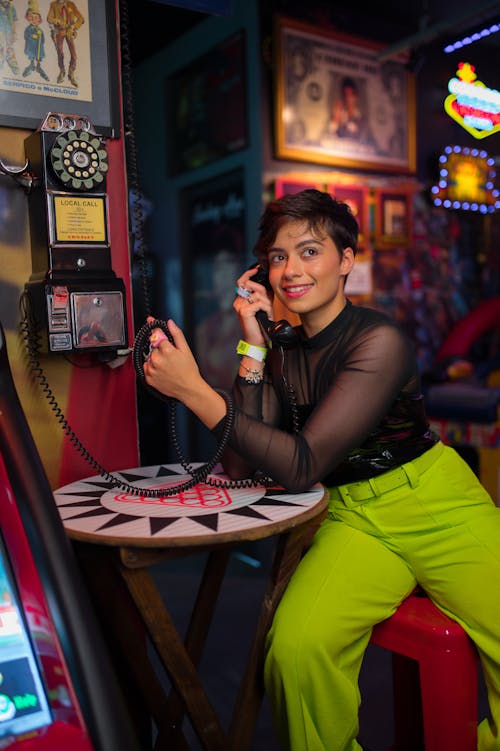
(472, 104)
(466, 181)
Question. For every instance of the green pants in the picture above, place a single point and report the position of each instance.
(444, 533)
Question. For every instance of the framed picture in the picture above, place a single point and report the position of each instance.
(213, 256)
(52, 61)
(213, 221)
(206, 107)
(388, 269)
(357, 200)
(393, 218)
(359, 283)
(336, 103)
(284, 186)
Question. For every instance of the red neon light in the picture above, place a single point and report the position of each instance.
(463, 110)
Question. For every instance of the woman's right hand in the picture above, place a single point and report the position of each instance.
(171, 367)
(172, 370)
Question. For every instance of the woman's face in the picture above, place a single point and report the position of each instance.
(307, 274)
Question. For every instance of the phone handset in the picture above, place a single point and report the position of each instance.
(280, 333)
(142, 350)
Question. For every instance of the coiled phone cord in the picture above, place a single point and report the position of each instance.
(141, 345)
(140, 354)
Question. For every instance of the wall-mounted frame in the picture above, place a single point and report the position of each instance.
(392, 218)
(31, 79)
(206, 107)
(213, 253)
(285, 185)
(359, 283)
(213, 256)
(337, 104)
(357, 199)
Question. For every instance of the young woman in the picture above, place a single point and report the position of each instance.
(343, 406)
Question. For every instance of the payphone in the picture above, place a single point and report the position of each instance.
(75, 297)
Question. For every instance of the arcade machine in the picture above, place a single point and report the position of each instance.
(57, 689)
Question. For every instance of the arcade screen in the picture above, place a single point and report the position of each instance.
(23, 702)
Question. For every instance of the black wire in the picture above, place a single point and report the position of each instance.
(290, 394)
(198, 475)
(135, 202)
(140, 353)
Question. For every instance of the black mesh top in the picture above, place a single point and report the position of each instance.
(358, 407)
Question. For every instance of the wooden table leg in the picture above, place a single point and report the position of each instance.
(126, 639)
(175, 659)
(290, 548)
(196, 634)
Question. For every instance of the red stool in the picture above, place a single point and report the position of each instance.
(435, 678)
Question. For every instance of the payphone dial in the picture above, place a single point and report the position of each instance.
(77, 301)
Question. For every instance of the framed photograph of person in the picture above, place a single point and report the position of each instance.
(59, 56)
(392, 218)
(336, 103)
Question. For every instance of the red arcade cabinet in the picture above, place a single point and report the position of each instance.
(57, 689)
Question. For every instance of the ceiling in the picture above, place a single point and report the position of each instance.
(153, 24)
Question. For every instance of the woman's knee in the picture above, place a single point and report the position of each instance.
(289, 643)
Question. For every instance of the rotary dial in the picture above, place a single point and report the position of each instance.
(79, 160)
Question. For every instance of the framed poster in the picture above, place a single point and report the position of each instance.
(213, 256)
(284, 186)
(357, 200)
(213, 220)
(359, 283)
(393, 218)
(206, 107)
(59, 57)
(337, 104)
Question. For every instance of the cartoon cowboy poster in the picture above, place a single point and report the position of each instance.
(45, 48)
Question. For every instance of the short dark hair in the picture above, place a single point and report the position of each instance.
(319, 209)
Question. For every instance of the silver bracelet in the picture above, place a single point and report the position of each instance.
(253, 376)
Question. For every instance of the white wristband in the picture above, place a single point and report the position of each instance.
(252, 350)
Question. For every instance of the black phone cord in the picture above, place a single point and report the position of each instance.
(140, 354)
(198, 474)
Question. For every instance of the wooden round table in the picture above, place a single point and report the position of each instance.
(127, 532)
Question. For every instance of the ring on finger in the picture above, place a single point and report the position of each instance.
(250, 300)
